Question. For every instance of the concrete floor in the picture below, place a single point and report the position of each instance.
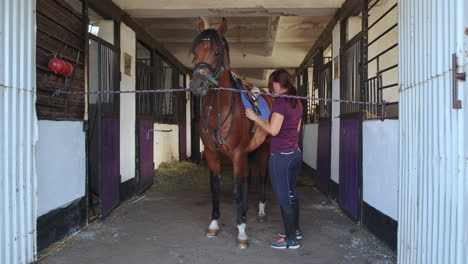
(168, 225)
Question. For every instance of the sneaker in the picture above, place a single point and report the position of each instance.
(282, 244)
(298, 234)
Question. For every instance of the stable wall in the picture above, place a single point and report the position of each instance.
(188, 120)
(106, 30)
(127, 106)
(61, 164)
(166, 144)
(380, 179)
(61, 180)
(335, 138)
(309, 149)
(380, 165)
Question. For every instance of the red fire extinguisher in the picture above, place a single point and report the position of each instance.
(61, 67)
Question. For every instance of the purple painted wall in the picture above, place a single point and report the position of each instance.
(324, 155)
(146, 154)
(110, 166)
(349, 166)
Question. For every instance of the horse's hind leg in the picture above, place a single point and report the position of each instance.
(262, 156)
(240, 194)
(215, 169)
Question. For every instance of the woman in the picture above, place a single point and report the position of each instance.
(285, 155)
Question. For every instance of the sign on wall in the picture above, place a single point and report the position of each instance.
(336, 67)
(127, 64)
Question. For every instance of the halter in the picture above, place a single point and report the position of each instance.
(213, 78)
(217, 72)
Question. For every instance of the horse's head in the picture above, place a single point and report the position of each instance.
(210, 52)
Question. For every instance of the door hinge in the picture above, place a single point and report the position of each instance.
(456, 76)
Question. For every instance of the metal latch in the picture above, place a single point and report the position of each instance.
(456, 76)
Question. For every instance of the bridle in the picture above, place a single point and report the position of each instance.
(213, 78)
(217, 71)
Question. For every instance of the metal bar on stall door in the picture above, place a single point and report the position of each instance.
(373, 5)
(387, 69)
(383, 52)
(382, 35)
(388, 86)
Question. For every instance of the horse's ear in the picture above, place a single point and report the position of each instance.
(201, 25)
(223, 27)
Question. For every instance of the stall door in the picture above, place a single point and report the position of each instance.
(146, 144)
(350, 129)
(349, 166)
(324, 155)
(110, 164)
(104, 128)
(146, 104)
(324, 129)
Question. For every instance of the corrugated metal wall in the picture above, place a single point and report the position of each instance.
(433, 199)
(18, 131)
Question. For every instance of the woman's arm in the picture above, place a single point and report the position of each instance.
(299, 126)
(273, 127)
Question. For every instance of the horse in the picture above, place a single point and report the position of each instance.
(224, 129)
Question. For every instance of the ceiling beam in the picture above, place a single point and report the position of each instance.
(229, 12)
(224, 4)
(271, 34)
(110, 10)
(257, 74)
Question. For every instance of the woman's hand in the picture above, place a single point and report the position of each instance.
(250, 114)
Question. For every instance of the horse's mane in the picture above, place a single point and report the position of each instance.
(215, 38)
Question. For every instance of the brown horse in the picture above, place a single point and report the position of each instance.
(224, 127)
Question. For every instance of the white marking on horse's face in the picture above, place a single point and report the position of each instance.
(214, 225)
(242, 235)
(261, 209)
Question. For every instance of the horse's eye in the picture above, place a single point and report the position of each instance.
(216, 53)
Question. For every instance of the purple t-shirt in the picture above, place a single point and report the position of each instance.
(287, 138)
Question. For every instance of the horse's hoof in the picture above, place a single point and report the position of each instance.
(242, 244)
(212, 232)
(261, 219)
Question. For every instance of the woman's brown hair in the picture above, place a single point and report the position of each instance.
(284, 78)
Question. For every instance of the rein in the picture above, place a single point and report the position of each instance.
(216, 73)
(217, 132)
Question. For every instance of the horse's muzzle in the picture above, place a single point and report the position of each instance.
(199, 86)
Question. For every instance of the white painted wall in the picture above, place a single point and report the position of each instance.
(354, 26)
(310, 137)
(61, 164)
(127, 106)
(166, 144)
(335, 137)
(188, 120)
(106, 30)
(380, 165)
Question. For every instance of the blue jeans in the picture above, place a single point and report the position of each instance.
(284, 168)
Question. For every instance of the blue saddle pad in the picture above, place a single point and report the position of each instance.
(262, 106)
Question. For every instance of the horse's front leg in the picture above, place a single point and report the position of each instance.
(214, 165)
(240, 194)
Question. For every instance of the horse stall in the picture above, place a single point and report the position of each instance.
(106, 159)
(132, 167)
(104, 116)
(135, 123)
(61, 151)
